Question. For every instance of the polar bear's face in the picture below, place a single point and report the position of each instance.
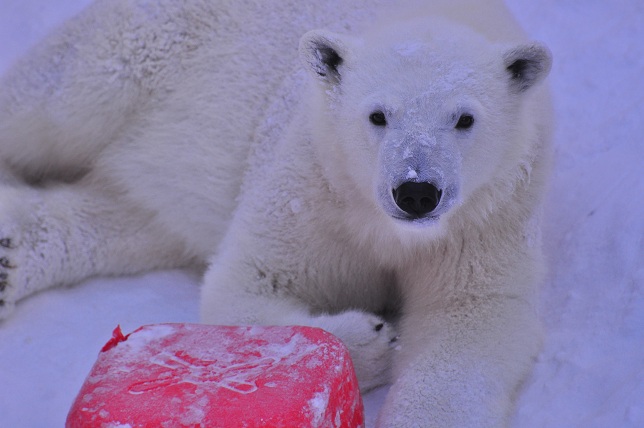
(420, 122)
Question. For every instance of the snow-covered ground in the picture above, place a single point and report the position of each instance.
(591, 372)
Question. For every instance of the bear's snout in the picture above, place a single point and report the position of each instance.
(417, 199)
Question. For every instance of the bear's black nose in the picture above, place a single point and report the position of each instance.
(417, 199)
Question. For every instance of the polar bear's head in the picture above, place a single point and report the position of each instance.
(419, 119)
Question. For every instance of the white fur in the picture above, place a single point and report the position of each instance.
(149, 134)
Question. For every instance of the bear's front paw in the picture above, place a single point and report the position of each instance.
(370, 340)
(24, 243)
(7, 268)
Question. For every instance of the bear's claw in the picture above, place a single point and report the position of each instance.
(6, 293)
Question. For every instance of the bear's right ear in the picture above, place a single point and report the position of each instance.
(323, 53)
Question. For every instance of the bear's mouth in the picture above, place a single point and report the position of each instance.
(418, 200)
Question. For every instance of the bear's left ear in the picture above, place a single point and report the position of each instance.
(323, 53)
(527, 65)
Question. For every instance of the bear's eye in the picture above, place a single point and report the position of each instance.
(465, 122)
(378, 118)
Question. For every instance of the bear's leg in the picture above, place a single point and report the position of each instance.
(230, 295)
(461, 365)
(64, 233)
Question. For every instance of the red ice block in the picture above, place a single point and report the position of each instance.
(190, 375)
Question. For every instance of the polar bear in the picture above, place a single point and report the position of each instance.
(381, 181)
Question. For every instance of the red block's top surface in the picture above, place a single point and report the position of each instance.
(170, 375)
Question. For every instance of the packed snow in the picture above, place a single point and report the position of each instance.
(591, 371)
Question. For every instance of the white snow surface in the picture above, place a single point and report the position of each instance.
(591, 371)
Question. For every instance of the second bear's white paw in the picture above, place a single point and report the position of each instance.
(370, 341)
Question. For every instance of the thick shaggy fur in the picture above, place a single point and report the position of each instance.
(146, 134)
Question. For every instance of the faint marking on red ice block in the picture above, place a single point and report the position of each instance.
(184, 368)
